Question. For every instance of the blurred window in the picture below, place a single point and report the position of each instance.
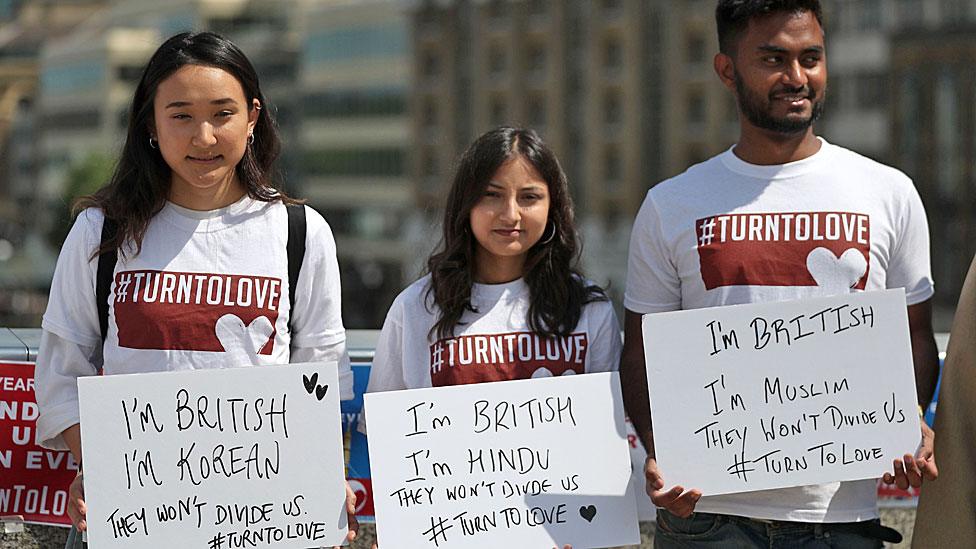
(871, 91)
(497, 60)
(612, 110)
(697, 52)
(129, 73)
(356, 43)
(72, 79)
(611, 164)
(612, 54)
(696, 107)
(536, 58)
(356, 103)
(430, 64)
(497, 111)
(355, 162)
(81, 119)
(948, 172)
(536, 106)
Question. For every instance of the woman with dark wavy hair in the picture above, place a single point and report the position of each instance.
(190, 240)
(503, 298)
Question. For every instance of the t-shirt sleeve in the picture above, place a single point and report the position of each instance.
(604, 352)
(910, 266)
(386, 372)
(71, 311)
(652, 279)
(60, 363)
(317, 330)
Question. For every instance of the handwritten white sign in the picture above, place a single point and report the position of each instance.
(532, 463)
(214, 459)
(750, 397)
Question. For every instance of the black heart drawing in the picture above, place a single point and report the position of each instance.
(321, 390)
(310, 383)
(588, 512)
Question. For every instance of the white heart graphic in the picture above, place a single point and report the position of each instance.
(243, 342)
(541, 372)
(833, 274)
(360, 491)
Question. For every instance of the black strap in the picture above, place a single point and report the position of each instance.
(296, 252)
(103, 277)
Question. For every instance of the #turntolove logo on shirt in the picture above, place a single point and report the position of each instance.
(501, 357)
(826, 249)
(196, 311)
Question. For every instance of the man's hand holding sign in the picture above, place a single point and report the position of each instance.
(773, 395)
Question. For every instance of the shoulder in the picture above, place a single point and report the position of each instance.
(696, 177)
(415, 295)
(841, 158)
(86, 232)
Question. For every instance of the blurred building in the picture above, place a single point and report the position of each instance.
(25, 259)
(933, 139)
(353, 138)
(622, 90)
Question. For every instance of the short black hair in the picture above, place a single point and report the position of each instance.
(732, 16)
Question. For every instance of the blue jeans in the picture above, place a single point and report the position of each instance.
(710, 530)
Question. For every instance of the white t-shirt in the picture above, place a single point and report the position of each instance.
(493, 344)
(726, 232)
(208, 290)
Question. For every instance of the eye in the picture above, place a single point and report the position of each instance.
(771, 59)
(491, 194)
(181, 116)
(225, 114)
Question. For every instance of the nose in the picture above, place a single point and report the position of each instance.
(204, 136)
(794, 74)
(509, 211)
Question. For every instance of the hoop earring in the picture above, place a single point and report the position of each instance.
(153, 143)
(550, 237)
(250, 138)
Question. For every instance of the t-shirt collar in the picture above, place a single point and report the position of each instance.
(777, 171)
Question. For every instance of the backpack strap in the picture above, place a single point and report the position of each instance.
(296, 251)
(103, 277)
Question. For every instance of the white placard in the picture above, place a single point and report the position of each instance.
(529, 464)
(750, 397)
(214, 459)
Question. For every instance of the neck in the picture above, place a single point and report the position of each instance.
(193, 198)
(766, 148)
(498, 270)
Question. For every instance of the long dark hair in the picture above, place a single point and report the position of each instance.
(557, 290)
(141, 181)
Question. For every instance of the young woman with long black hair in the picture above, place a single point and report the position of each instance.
(197, 231)
(503, 298)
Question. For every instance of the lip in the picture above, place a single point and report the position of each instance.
(205, 159)
(793, 99)
(509, 233)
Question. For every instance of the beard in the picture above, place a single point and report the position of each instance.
(756, 109)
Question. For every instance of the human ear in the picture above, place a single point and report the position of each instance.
(253, 114)
(725, 69)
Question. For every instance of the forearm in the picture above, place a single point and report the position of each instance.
(72, 437)
(633, 381)
(925, 355)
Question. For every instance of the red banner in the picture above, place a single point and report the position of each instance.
(33, 481)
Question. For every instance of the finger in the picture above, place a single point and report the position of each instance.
(664, 499)
(684, 506)
(929, 469)
(888, 479)
(652, 474)
(912, 471)
(901, 480)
